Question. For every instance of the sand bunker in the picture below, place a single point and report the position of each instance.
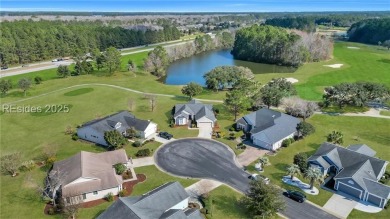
(353, 47)
(292, 80)
(334, 65)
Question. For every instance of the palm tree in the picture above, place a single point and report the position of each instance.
(314, 174)
(264, 161)
(293, 170)
(335, 137)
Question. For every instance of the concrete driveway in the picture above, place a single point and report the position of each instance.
(161, 140)
(202, 158)
(340, 205)
(205, 131)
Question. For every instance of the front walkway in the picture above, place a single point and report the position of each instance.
(340, 205)
(201, 187)
(250, 155)
(145, 161)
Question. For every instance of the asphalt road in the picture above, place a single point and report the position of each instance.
(202, 158)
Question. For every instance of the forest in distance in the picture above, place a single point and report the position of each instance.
(30, 41)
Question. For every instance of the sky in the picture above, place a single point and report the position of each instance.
(195, 6)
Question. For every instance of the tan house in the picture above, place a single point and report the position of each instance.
(89, 176)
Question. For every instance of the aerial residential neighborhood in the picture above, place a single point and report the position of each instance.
(195, 109)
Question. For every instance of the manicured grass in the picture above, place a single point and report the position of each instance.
(131, 150)
(371, 131)
(79, 91)
(225, 203)
(155, 178)
(355, 214)
(385, 113)
(345, 109)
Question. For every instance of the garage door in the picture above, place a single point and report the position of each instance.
(349, 190)
(375, 200)
(205, 125)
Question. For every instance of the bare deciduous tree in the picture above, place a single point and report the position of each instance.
(152, 101)
(295, 106)
(69, 130)
(48, 189)
(72, 206)
(10, 163)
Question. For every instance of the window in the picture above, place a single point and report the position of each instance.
(95, 192)
(84, 196)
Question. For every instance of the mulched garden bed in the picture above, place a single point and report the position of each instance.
(127, 185)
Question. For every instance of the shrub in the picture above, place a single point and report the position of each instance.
(286, 142)
(300, 159)
(38, 80)
(51, 211)
(120, 168)
(122, 193)
(109, 197)
(75, 137)
(27, 165)
(152, 140)
(143, 153)
(292, 140)
(231, 129)
(216, 111)
(50, 161)
(137, 144)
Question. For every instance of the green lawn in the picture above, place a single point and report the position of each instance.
(385, 113)
(371, 131)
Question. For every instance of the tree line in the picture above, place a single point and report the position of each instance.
(30, 41)
(372, 31)
(355, 94)
(159, 58)
(300, 23)
(276, 45)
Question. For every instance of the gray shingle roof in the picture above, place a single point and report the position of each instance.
(353, 164)
(96, 166)
(377, 189)
(152, 205)
(271, 126)
(363, 149)
(195, 107)
(123, 120)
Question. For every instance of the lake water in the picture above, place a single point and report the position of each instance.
(192, 69)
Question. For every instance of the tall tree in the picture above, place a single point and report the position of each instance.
(236, 102)
(314, 174)
(192, 89)
(157, 61)
(112, 59)
(263, 201)
(63, 71)
(274, 91)
(24, 84)
(304, 129)
(293, 170)
(300, 159)
(335, 137)
(5, 86)
(114, 139)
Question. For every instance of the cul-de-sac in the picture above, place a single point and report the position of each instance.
(195, 110)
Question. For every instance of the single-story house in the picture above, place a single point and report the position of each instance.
(88, 176)
(94, 130)
(203, 114)
(354, 170)
(268, 128)
(167, 201)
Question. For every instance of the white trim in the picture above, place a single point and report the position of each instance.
(338, 184)
(380, 204)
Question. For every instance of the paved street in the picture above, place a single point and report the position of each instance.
(202, 158)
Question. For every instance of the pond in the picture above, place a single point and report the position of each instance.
(192, 69)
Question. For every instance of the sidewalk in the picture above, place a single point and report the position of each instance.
(145, 161)
(201, 187)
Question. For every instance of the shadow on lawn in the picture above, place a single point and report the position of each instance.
(224, 203)
(387, 61)
(281, 166)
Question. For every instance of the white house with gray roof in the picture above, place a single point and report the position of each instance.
(89, 176)
(355, 171)
(194, 110)
(268, 128)
(94, 130)
(167, 201)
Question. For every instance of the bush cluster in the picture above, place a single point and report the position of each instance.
(143, 153)
(287, 142)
